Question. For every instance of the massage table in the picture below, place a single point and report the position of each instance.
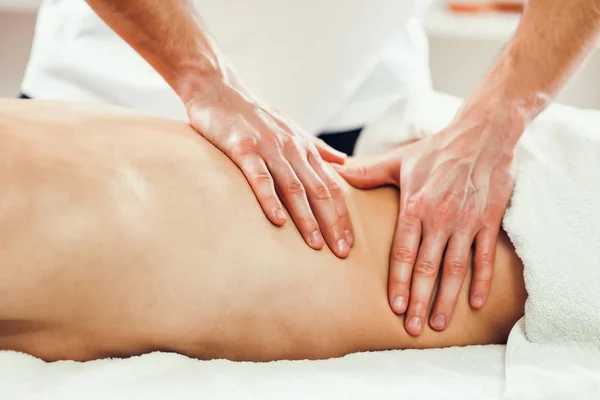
(553, 352)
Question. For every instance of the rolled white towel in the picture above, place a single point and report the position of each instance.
(553, 221)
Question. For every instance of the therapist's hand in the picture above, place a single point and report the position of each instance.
(282, 163)
(454, 190)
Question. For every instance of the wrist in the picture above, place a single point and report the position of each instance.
(197, 76)
(211, 82)
(512, 93)
(497, 119)
(502, 111)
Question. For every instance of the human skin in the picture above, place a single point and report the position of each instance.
(283, 164)
(124, 234)
(456, 184)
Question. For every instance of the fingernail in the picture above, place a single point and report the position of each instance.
(415, 325)
(342, 247)
(439, 322)
(280, 215)
(399, 304)
(315, 238)
(477, 301)
(349, 237)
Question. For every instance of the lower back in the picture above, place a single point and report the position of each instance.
(129, 233)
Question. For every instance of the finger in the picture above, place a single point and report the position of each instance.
(425, 275)
(261, 181)
(402, 260)
(336, 194)
(483, 265)
(454, 271)
(313, 187)
(328, 153)
(323, 207)
(293, 194)
(379, 172)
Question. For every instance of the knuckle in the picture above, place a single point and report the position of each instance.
(245, 145)
(425, 268)
(288, 140)
(467, 218)
(259, 178)
(271, 199)
(444, 212)
(485, 259)
(313, 152)
(291, 144)
(334, 189)
(402, 254)
(489, 216)
(413, 205)
(308, 224)
(410, 223)
(456, 268)
(362, 171)
(322, 193)
(270, 141)
(342, 212)
(296, 188)
(400, 287)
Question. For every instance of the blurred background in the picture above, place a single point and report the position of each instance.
(462, 47)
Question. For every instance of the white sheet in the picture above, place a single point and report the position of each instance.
(541, 371)
(473, 373)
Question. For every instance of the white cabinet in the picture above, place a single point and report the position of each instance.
(16, 33)
(463, 47)
(19, 5)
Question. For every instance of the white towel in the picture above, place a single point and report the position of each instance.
(554, 223)
(472, 373)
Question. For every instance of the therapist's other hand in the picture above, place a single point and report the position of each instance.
(454, 190)
(280, 161)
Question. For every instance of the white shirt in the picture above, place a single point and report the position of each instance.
(327, 64)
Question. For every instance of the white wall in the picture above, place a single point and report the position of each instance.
(457, 66)
(457, 62)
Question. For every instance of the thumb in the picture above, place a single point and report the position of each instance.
(328, 153)
(372, 174)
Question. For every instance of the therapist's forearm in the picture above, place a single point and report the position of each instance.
(552, 40)
(170, 36)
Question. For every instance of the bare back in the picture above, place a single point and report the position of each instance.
(122, 233)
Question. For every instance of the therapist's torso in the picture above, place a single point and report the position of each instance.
(327, 64)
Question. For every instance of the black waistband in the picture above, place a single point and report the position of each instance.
(342, 141)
